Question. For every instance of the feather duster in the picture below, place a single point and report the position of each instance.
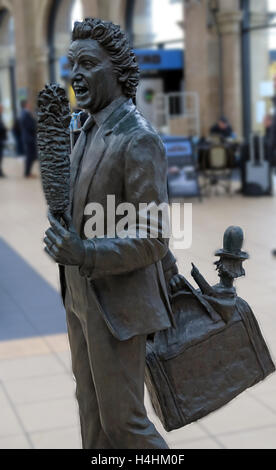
(54, 147)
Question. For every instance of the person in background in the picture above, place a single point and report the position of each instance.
(222, 129)
(78, 119)
(29, 138)
(268, 124)
(3, 136)
(82, 116)
(270, 140)
(16, 131)
(270, 135)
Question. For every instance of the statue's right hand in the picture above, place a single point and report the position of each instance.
(176, 283)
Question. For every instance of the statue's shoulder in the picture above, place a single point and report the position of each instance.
(243, 306)
(135, 124)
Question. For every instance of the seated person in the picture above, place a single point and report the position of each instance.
(222, 129)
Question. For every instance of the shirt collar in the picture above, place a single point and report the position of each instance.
(101, 116)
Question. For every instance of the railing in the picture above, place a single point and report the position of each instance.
(177, 113)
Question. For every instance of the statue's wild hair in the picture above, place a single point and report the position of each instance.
(115, 42)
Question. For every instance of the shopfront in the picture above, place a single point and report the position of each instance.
(161, 72)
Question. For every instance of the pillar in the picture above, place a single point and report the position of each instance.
(201, 62)
(259, 57)
(90, 8)
(107, 10)
(24, 19)
(229, 22)
(216, 78)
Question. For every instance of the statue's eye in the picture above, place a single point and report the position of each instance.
(88, 64)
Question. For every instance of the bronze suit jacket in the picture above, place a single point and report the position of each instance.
(127, 160)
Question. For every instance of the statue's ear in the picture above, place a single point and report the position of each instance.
(122, 78)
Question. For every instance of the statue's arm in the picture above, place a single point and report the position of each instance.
(201, 282)
(145, 182)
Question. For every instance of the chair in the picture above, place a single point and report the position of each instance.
(217, 171)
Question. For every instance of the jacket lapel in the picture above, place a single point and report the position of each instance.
(75, 158)
(95, 152)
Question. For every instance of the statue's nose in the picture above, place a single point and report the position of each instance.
(75, 74)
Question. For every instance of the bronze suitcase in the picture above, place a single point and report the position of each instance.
(203, 363)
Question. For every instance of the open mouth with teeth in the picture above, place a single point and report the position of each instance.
(80, 91)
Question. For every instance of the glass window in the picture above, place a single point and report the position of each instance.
(158, 21)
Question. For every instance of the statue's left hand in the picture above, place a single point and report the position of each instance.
(63, 245)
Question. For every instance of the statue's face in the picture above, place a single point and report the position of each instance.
(92, 75)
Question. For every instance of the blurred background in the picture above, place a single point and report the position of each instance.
(208, 85)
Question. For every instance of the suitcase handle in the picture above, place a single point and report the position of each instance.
(252, 149)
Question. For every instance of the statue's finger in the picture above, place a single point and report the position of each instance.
(55, 250)
(68, 220)
(57, 226)
(48, 242)
(49, 252)
(55, 239)
(51, 235)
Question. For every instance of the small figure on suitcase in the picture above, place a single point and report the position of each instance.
(223, 295)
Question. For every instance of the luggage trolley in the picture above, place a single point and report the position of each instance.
(182, 167)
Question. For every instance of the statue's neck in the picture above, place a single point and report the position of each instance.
(226, 281)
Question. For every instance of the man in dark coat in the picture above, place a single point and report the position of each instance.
(113, 287)
(29, 136)
(222, 128)
(3, 136)
(16, 130)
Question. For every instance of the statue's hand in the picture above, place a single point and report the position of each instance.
(63, 245)
(176, 283)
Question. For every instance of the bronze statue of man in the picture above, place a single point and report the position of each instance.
(114, 289)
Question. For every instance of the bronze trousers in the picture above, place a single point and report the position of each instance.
(109, 378)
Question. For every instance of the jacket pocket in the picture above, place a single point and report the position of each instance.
(102, 312)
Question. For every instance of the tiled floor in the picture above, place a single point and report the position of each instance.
(38, 408)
